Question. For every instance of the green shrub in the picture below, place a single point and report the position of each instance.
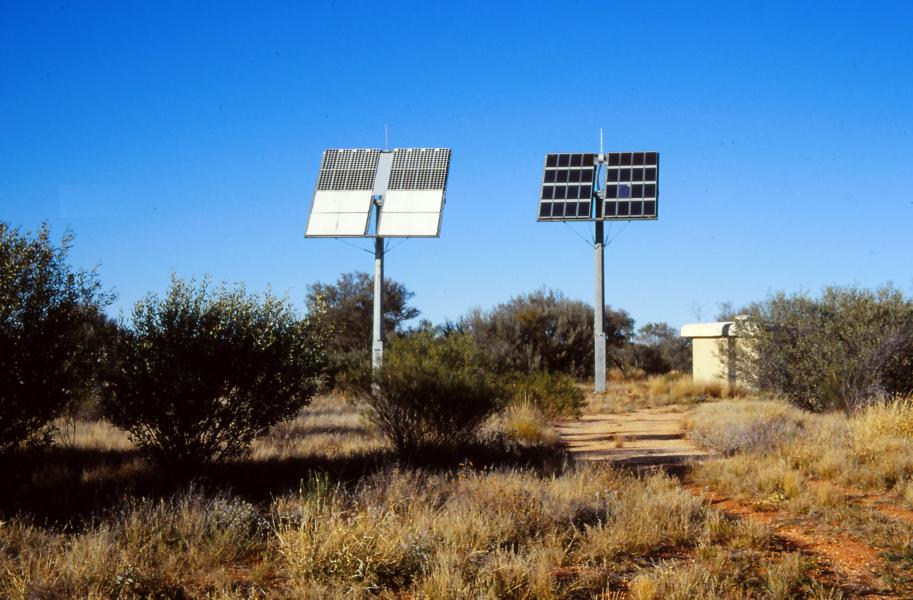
(657, 348)
(432, 392)
(554, 394)
(52, 333)
(348, 314)
(544, 331)
(203, 372)
(844, 349)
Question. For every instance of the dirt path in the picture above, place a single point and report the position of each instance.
(854, 564)
(654, 438)
(650, 437)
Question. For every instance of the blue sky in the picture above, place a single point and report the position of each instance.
(181, 137)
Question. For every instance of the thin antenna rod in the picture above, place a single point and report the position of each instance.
(386, 140)
(600, 141)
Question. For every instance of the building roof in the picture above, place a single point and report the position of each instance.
(709, 330)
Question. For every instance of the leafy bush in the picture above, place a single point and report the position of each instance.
(847, 348)
(657, 348)
(348, 314)
(432, 391)
(203, 372)
(51, 333)
(555, 395)
(544, 331)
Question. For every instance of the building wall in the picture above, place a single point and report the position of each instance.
(710, 359)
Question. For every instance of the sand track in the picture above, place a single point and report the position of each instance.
(651, 437)
(654, 438)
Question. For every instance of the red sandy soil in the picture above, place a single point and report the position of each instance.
(654, 438)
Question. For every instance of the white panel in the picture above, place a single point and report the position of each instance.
(337, 224)
(402, 201)
(395, 224)
(342, 202)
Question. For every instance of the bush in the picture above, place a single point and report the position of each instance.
(51, 333)
(203, 372)
(432, 392)
(732, 427)
(657, 348)
(884, 420)
(844, 349)
(544, 331)
(348, 307)
(528, 425)
(555, 395)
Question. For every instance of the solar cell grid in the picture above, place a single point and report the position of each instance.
(419, 169)
(631, 185)
(344, 170)
(567, 186)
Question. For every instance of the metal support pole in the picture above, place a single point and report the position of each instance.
(381, 177)
(377, 345)
(599, 313)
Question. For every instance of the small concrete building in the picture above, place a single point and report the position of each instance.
(713, 351)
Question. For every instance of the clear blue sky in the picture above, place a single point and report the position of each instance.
(183, 137)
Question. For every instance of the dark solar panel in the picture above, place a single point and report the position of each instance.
(631, 185)
(567, 187)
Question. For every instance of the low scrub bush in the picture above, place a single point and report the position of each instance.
(554, 394)
(147, 549)
(884, 419)
(842, 350)
(729, 427)
(545, 331)
(203, 372)
(647, 517)
(529, 426)
(431, 392)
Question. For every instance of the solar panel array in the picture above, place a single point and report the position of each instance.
(412, 182)
(347, 170)
(419, 169)
(631, 186)
(415, 193)
(567, 187)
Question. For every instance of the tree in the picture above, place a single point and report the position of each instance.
(846, 348)
(203, 372)
(543, 330)
(432, 391)
(658, 348)
(349, 310)
(51, 333)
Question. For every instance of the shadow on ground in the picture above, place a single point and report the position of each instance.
(64, 487)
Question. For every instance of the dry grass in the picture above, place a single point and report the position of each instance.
(99, 436)
(516, 535)
(639, 391)
(331, 427)
(145, 548)
(817, 468)
(526, 425)
(872, 449)
(498, 532)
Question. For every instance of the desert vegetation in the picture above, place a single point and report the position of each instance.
(842, 349)
(52, 334)
(362, 525)
(198, 374)
(826, 476)
(217, 443)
